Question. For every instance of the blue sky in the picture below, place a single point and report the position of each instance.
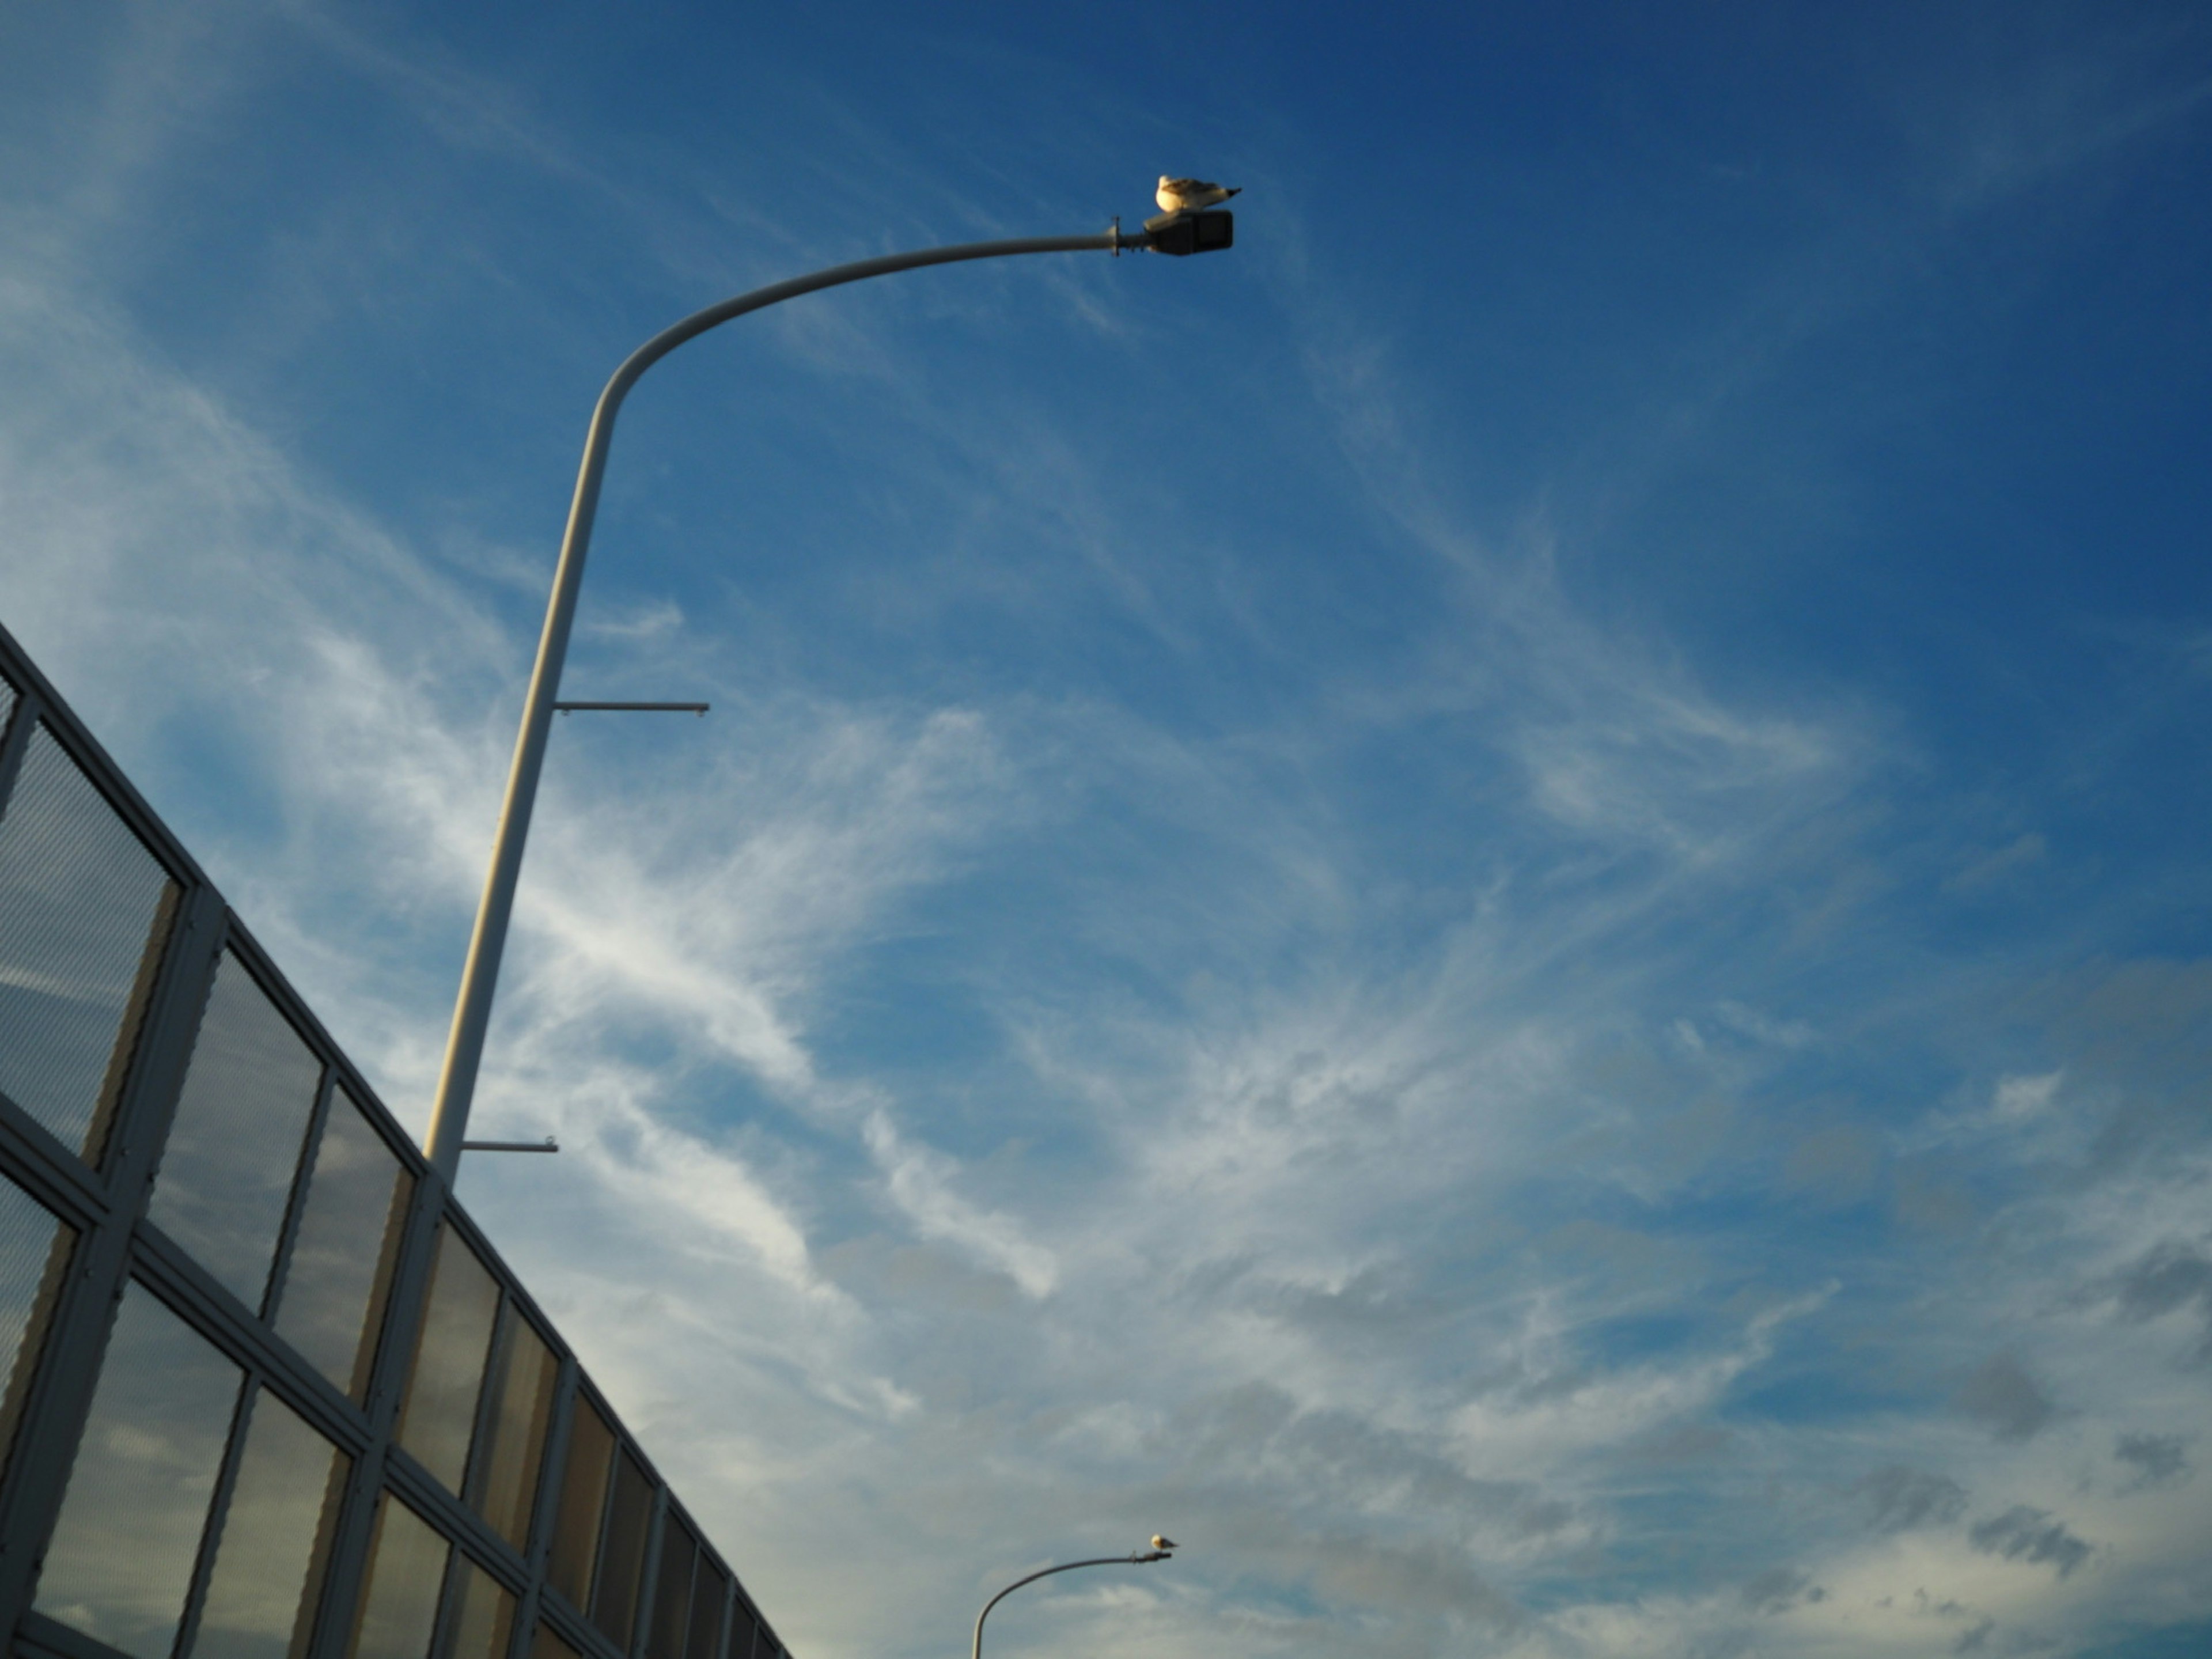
(1497, 907)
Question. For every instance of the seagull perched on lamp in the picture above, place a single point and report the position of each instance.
(1179, 195)
(1160, 1543)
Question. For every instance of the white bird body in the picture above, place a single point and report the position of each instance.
(1177, 195)
(1159, 1542)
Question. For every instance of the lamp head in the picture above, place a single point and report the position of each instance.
(1187, 232)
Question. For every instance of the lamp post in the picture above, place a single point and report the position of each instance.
(1136, 1558)
(1174, 234)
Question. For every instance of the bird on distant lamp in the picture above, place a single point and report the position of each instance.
(1181, 195)
(1160, 1543)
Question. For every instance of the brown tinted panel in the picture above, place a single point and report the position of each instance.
(276, 1530)
(523, 1408)
(485, 1619)
(332, 1304)
(129, 1533)
(545, 1644)
(447, 1377)
(709, 1591)
(622, 1559)
(84, 910)
(34, 1257)
(399, 1604)
(743, 1630)
(233, 1151)
(583, 1499)
(671, 1591)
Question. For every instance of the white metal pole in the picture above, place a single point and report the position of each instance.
(1139, 1558)
(449, 1116)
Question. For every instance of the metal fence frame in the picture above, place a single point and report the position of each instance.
(116, 1243)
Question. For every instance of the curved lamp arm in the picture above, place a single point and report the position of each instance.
(1136, 1559)
(457, 1082)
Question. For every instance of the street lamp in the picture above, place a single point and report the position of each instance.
(1179, 233)
(1137, 1558)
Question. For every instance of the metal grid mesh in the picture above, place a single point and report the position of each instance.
(406, 1569)
(709, 1590)
(744, 1632)
(671, 1592)
(84, 908)
(341, 1258)
(518, 1433)
(440, 1412)
(583, 1495)
(622, 1557)
(262, 1594)
(484, 1618)
(234, 1146)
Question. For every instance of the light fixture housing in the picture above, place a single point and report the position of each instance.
(1188, 232)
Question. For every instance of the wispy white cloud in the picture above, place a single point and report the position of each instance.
(1414, 1188)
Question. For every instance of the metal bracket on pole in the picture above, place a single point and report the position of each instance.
(548, 1145)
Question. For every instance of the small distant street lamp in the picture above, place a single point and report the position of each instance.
(1177, 233)
(1162, 1550)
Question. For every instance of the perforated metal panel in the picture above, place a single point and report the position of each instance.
(348, 1243)
(448, 1373)
(710, 1591)
(83, 910)
(671, 1591)
(622, 1557)
(121, 1562)
(483, 1620)
(520, 1417)
(744, 1632)
(233, 1149)
(406, 1572)
(583, 1503)
(275, 1540)
(231, 1294)
(35, 1254)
